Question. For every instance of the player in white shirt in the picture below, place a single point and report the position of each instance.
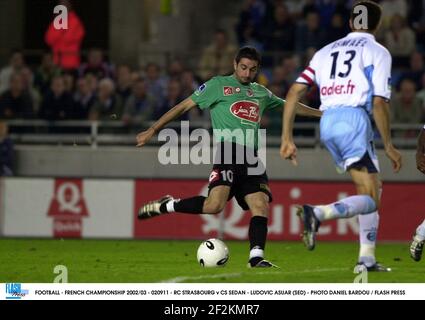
(354, 78)
(418, 242)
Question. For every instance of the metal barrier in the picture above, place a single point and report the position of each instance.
(116, 133)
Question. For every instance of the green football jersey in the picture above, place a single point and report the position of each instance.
(236, 109)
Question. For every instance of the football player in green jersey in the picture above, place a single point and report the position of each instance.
(236, 104)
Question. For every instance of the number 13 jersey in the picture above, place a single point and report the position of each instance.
(350, 72)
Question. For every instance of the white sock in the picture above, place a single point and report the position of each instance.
(256, 252)
(346, 208)
(170, 206)
(369, 224)
(420, 231)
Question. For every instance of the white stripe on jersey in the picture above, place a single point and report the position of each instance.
(350, 71)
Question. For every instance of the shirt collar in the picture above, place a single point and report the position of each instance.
(361, 34)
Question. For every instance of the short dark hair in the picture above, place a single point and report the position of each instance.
(374, 14)
(250, 53)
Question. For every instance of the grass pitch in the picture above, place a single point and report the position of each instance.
(109, 261)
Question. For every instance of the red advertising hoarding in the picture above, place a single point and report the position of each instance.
(402, 210)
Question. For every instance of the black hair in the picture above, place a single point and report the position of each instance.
(374, 14)
(250, 53)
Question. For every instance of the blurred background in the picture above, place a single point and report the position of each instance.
(72, 101)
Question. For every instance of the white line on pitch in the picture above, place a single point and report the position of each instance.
(236, 275)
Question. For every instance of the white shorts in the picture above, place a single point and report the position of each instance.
(347, 134)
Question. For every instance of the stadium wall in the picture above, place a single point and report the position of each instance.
(107, 208)
(127, 162)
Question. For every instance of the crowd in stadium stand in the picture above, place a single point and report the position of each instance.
(287, 33)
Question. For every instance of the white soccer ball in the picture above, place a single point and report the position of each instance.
(213, 253)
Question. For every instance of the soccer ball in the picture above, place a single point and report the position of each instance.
(213, 253)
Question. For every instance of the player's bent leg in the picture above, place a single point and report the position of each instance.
(367, 184)
(197, 205)
(216, 200)
(258, 203)
(364, 203)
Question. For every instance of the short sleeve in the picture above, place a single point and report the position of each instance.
(381, 77)
(207, 94)
(308, 76)
(274, 101)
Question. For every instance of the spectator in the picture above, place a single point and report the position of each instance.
(124, 82)
(400, 41)
(416, 70)
(188, 83)
(253, 12)
(108, 105)
(279, 34)
(16, 103)
(391, 8)
(66, 43)
(252, 15)
(58, 104)
(416, 18)
(310, 35)
(279, 82)
(174, 97)
(92, 82)
(96, 65)
(325, 9)
(421, 93)
(337, 29)
(217, 59)
(45, 73)
(15, 66)
(407, 106)
(69, 81)
(291, 65)
(27, 77)
(308, 6)
(140, 105)
(249, 38)
(175, 70)
(155, 85)
(84, 99)
(6, 151)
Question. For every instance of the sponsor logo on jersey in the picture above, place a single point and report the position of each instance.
(250, 93)
(237, 90)
(228, 91)
(338, 89)
(246, 110)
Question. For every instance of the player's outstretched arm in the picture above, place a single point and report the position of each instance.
(174, 113)
(306, 111)
(288, 150)
(420, 152)
(381, 114)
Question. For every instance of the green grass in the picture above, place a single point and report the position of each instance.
(100, 261)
